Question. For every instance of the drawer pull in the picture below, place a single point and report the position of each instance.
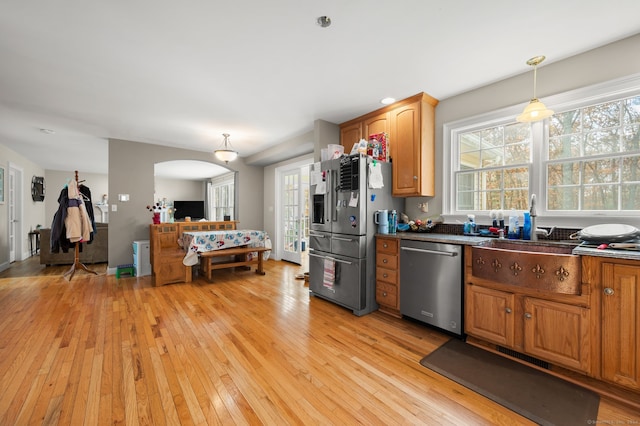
(609, 291)
(385, 275)
(384, 293)
(385, 245)
(385, 261)
(508, 310)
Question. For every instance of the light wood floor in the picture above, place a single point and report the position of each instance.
(246, 349)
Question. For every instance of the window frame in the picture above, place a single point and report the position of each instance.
(589, 95)
(225, 180)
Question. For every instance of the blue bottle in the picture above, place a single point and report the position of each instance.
(526, 228)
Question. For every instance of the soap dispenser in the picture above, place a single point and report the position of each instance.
(514, 229)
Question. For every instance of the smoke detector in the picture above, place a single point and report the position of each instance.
(324, 21)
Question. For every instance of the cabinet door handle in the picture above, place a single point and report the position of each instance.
(415, 178)
(385, 261)
(384, 293)
(508, 310)
(385, 275)
(527, 315)
(609, 291)
(385, 245)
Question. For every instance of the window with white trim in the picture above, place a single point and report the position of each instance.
(585, 158)
(594, 157)
(221, 194)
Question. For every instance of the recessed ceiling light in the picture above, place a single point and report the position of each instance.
(48, 131)
(324, 21)
(387, 101)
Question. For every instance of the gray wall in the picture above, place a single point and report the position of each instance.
(131, 171)
(32, 211)
(98, 183)
(616, 60)
(179, 189)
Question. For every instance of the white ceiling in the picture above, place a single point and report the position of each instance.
(182, 73)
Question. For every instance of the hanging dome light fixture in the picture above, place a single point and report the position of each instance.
(225, 153)
(535, 110)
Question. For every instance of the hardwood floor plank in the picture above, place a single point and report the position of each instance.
(242, 350)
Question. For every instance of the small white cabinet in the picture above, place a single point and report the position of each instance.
(141, 258)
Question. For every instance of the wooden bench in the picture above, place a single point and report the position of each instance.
(166, 254)
(209, 263)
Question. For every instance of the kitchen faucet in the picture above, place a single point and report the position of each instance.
(535, 231)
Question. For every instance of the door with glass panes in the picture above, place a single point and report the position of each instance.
(295, 213)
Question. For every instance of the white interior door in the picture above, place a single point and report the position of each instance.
(13, 219)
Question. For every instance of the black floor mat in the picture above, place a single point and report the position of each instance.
(534, 394)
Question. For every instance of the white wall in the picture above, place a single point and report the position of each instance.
(33, 211)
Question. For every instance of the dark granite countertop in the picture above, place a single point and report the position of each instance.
(579, 250)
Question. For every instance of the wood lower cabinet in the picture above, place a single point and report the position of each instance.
(489, 314)
(554, 332)
(388, 275)
(620, 301)
(558, 333)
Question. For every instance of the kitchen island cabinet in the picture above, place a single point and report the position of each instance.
(410, 125)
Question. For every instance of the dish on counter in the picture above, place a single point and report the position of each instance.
(607, 233)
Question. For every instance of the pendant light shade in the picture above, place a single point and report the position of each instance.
(535, 110)
(226, 154)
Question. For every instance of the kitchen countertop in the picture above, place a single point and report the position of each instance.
(470, 240)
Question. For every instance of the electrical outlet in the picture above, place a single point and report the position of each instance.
(114, 207)
(424, 207)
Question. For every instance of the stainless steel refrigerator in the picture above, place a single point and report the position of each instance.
(345, 194)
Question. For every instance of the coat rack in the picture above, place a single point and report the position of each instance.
(76, 260)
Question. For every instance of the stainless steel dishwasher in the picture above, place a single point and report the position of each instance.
(431, 284)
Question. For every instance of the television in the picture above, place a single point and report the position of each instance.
(193, 209)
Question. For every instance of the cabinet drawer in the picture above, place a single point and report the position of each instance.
(387, 260)
(386, 295)
(387, 275)
(387, 245)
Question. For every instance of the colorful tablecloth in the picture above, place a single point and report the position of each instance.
(203, 241)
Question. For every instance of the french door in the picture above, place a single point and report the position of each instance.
(295, 213)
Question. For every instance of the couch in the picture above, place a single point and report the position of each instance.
(96, 252)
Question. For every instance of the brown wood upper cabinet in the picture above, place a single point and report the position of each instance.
(410, 124)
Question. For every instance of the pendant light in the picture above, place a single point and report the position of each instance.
(226, 154)
(535, 110)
